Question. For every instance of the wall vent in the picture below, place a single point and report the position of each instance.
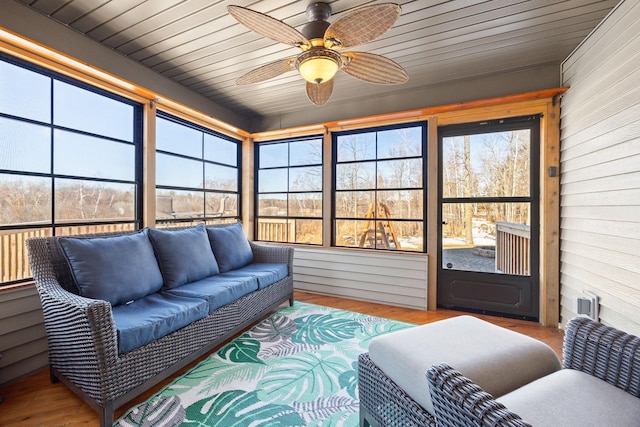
(588, 305)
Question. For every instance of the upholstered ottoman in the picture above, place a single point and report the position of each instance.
(392, 384)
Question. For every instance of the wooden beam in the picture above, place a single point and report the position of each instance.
(473, 108)
(550, 215)
(327, 181)
(431, 199)
(149, 165)
(247, 192)
(28, 50)
(44, 56)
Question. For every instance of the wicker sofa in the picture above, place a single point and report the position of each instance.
(599, 385)
(108, 350)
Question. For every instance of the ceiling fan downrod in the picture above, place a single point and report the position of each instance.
(317, 14)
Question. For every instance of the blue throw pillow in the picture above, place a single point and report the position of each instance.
(117, 269)
(184, 255)
(230, 246)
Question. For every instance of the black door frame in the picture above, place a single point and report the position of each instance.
(527, 306)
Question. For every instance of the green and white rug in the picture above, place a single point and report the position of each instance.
(296, 368)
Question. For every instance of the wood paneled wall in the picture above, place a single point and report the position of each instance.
(600, 166)
(23, 342)
(386, 278)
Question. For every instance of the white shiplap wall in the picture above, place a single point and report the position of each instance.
(387, 278)
(600, 165)
(23, 341)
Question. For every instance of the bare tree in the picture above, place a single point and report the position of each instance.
(468, 191)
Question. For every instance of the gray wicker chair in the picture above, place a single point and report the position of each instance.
(83, 350)
(603, 352)
(383, 403)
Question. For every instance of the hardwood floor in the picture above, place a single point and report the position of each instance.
(34, 401)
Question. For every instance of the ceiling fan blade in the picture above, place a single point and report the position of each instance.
(362, 25)
(374, 68)
(319, 93)
(268, 27)
(266, 72)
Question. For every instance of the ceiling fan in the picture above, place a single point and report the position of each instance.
(321, 44)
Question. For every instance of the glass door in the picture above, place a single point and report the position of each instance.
(488, 225)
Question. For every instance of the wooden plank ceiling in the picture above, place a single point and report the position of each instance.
(198, 44)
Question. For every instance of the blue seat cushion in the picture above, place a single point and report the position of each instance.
(266, 274)
(116, 269)
(218, 290)
(154, 316)
(184, 255)
(230, 246)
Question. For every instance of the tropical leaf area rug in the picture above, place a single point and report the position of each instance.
(296, 368)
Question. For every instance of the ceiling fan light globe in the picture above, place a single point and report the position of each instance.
(318, 65)
(318, 69)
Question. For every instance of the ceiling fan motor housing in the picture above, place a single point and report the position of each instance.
(314, 30)
(317, 14)
(318, 11)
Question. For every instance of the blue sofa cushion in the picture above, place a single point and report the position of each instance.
(153, 317)
(184, 255)
(230, 246)
(218, 290)
(266, 274)
(114, 269)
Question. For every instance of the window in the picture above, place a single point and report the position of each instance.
(289, 190)
(197, 174)
(379, 188)
(70, 157)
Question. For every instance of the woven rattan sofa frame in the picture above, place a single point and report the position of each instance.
(82, 336)
(598, 350)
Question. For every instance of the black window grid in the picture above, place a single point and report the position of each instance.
(56, 225)
(208, 214)
(288, 192)
(375, 188)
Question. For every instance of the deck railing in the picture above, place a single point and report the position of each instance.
(512, 248)
(14, 263)
(277, 230)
